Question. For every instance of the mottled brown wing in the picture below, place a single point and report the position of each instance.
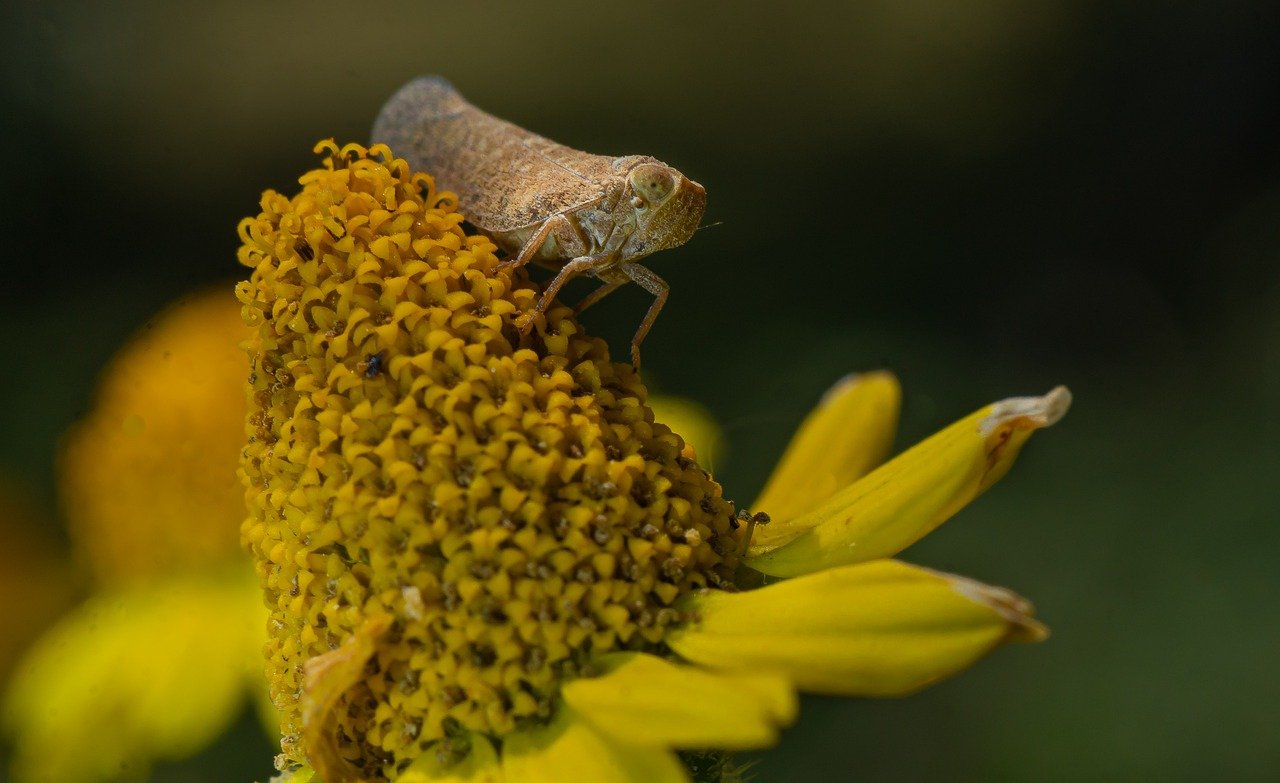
(505, 177)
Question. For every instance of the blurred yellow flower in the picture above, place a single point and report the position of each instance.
(142, 478)
(159, 659)
(486, 560)
(31, 566)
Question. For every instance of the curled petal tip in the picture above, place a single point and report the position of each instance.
(1016, 610)
(1036, 412)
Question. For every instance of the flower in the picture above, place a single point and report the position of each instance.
(159, 658)
(140, 477)
(32, 566)
(485, 560)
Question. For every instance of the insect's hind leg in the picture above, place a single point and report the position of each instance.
(654, 285)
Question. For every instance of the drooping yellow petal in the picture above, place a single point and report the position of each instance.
(898, 503)
(848, 434)
(154, 672)
(882, 628)
(328, 677)
(569, 750)
(480, 765)
(646, 700)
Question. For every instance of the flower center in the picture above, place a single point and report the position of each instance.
(503, 506)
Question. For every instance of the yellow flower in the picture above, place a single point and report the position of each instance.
(31, 566)
(157, 662)
(141, 477)
(484, 558)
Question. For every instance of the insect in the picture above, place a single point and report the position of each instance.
(372, 366)
(544, 202)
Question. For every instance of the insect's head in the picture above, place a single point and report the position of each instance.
(668, 207)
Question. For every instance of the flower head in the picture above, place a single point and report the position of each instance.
(143, 477)
(482, 555)
(696, 425)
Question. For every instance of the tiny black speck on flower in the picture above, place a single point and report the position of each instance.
(372, 366)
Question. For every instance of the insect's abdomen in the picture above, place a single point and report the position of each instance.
(505, 177)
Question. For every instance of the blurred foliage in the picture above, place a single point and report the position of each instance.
(987, 197)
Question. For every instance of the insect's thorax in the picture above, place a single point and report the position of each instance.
(596, 227)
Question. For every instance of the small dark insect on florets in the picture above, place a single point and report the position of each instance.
(372, 366)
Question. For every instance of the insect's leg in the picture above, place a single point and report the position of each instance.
(567, 272)
(566, 233)
(654, 285)
(595, 296)
(531, 247)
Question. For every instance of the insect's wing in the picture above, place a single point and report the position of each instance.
(505, 176)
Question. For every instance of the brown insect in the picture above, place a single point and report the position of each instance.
(544, 202)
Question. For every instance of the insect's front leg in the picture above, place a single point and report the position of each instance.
(654, 285)
(567, 272)
(569, 241)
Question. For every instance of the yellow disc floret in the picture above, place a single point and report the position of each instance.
(470, 513)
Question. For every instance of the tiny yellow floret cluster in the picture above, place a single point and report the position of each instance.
(495, 509)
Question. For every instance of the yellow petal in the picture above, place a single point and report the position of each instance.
(132, 677)
(898, 503)
(645, 700)
(481, 765)
(882, 628)
(299, 775)
(848, 434)
(327, 678)
(570, 751)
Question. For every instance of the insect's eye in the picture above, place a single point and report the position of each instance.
(652, 182)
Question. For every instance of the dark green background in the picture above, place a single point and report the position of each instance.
(988, 197)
